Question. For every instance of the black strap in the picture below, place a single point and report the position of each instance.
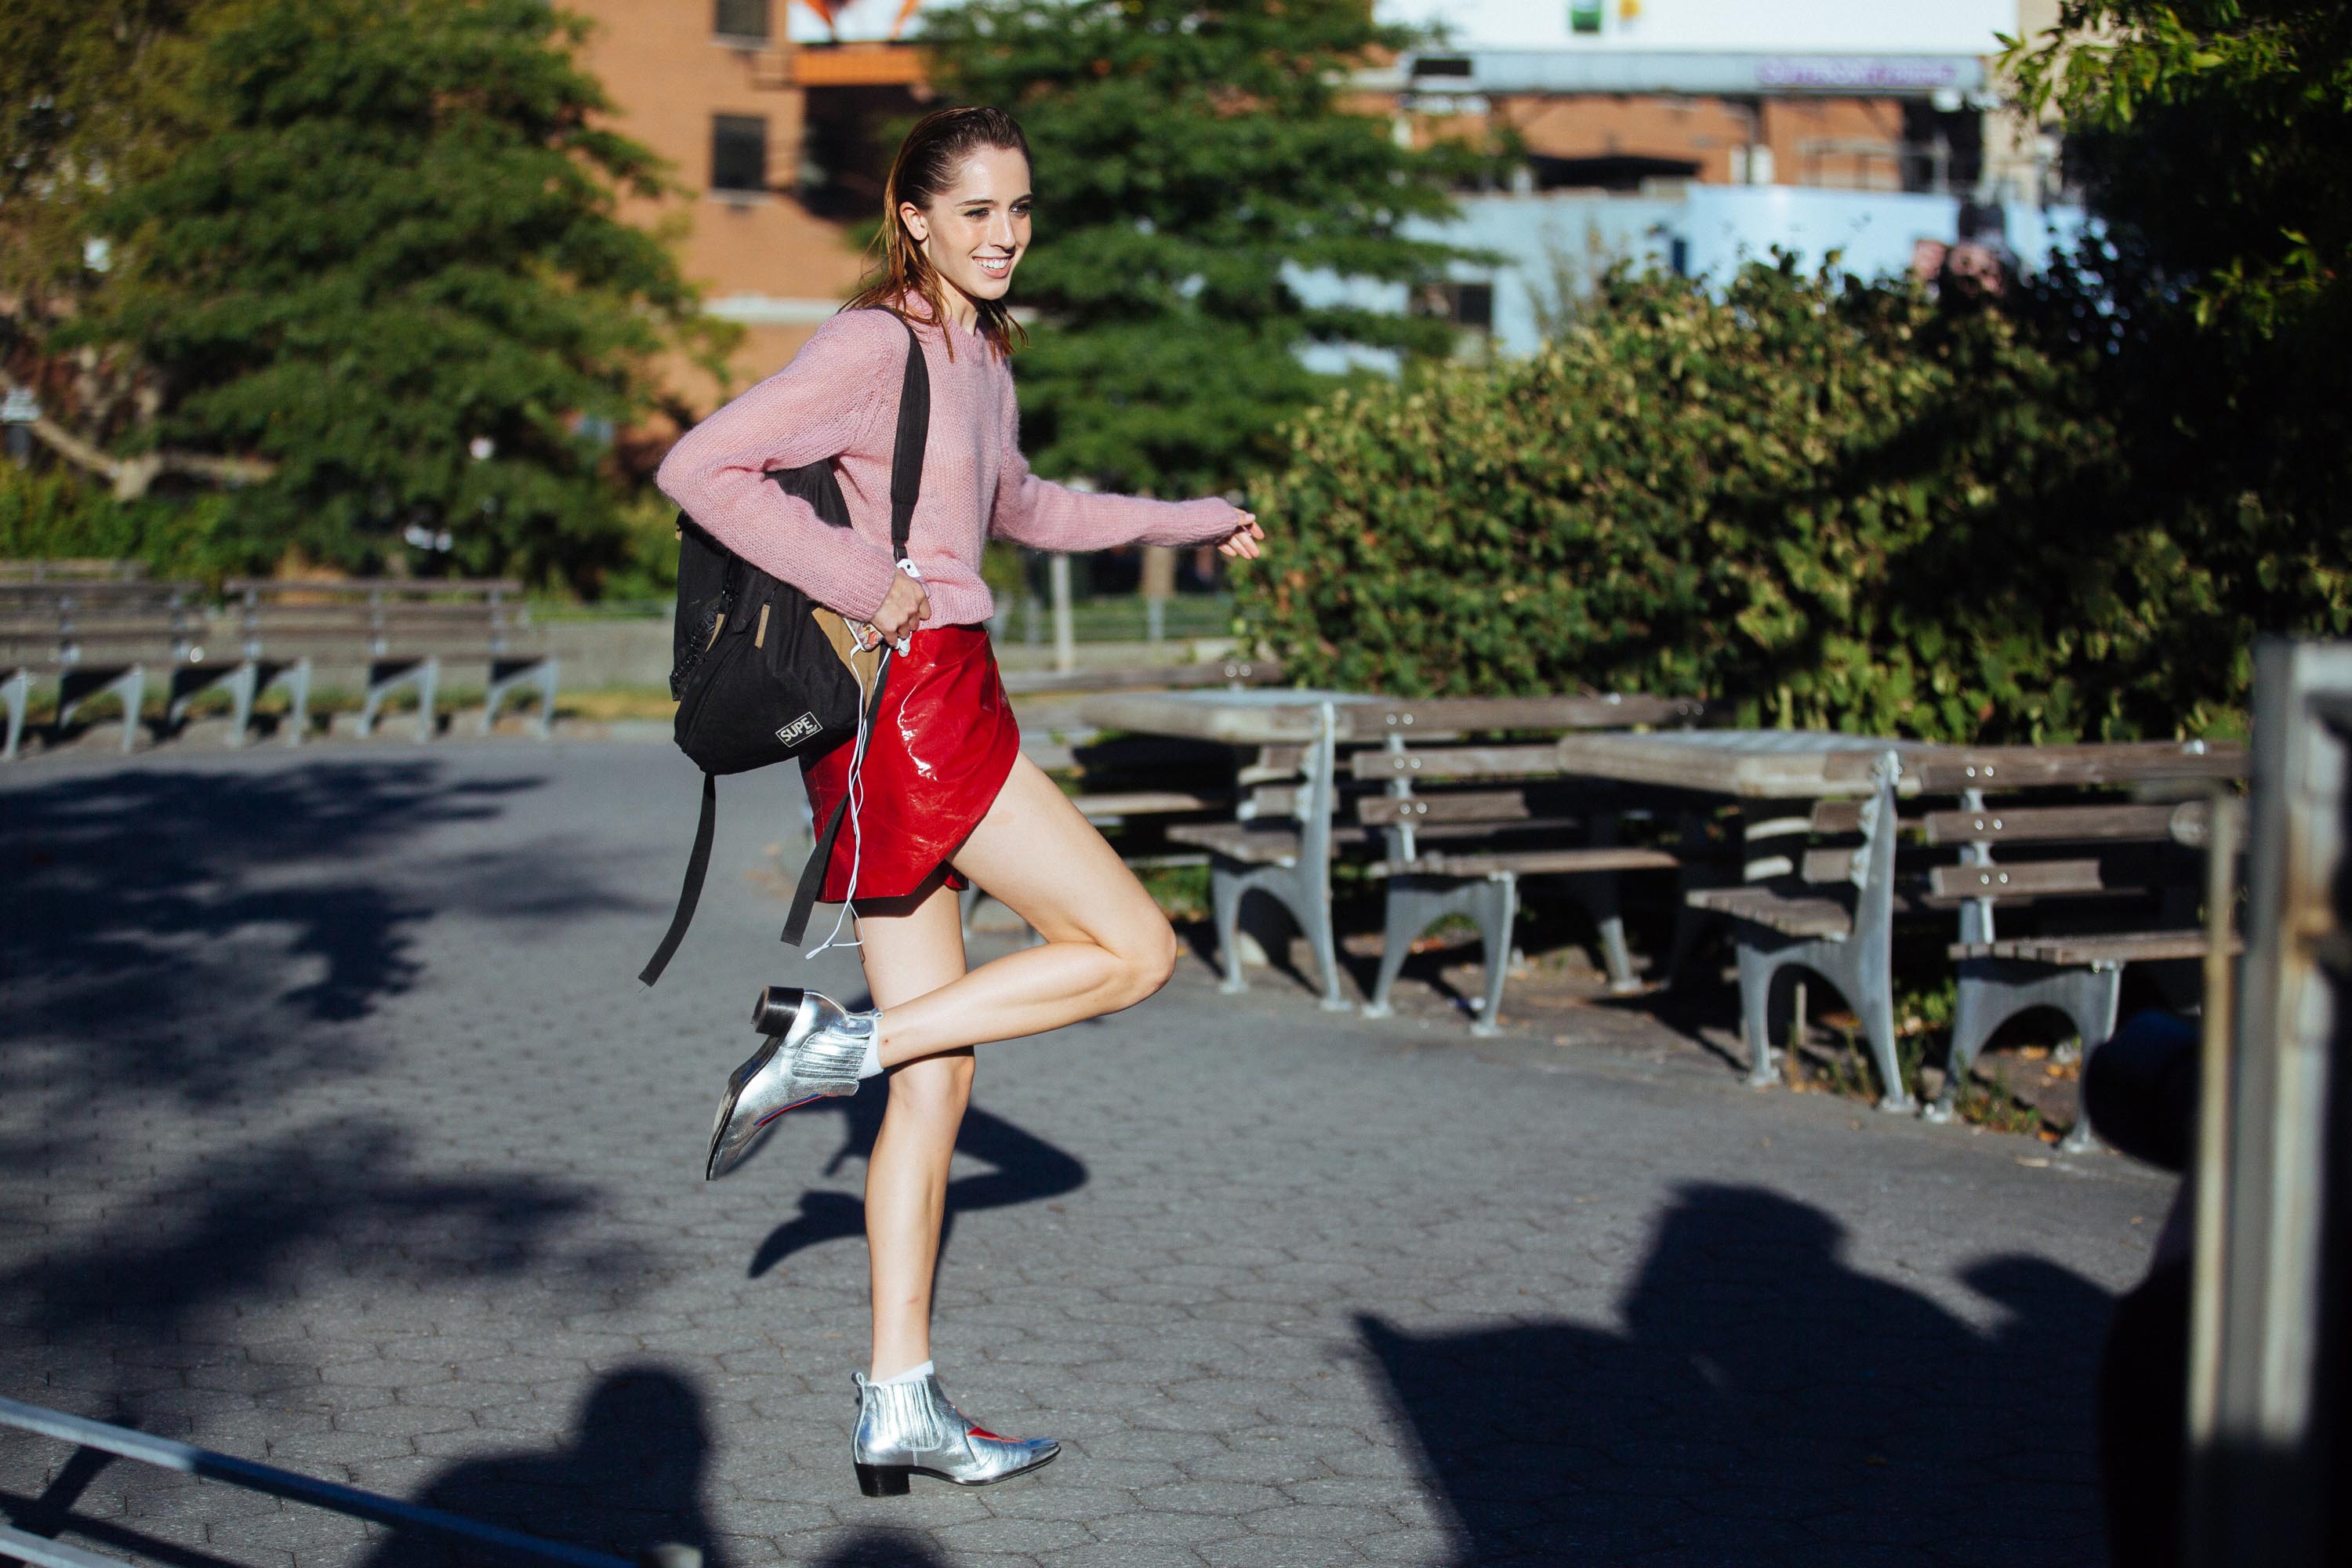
(914, 432)
(697, 865)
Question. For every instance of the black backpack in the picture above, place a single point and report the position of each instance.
(763, 674)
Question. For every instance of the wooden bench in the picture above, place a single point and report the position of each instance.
(2025, 842)
(93, 632)
(1831, 912)
(1460, 827)
(1280, 841)
(401, 631)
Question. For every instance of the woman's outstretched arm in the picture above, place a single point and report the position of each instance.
(1046, 516)
(825, 402)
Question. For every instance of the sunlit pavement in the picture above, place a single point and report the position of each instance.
(338, 1132)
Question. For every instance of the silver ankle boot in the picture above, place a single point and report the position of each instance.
(814, 1049)
(903, 1428)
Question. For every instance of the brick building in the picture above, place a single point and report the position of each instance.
(772, 113)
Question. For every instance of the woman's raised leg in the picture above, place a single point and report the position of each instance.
(1107, 944)
(909, 954)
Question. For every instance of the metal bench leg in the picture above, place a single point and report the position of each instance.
(1874, 999)
(1992, 991)
(1412, 904)
(429, 687)
(189, 680)
(129, 684)
(547, 686)
(1597, 891)
(1759, 958)
(297, 689)
(17, 689)
(243, 686)
(1311, 904)
(1495, 905)
(1228, 880)
(506, 675)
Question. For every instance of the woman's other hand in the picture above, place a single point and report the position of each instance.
(905, 608)
(1241, 544)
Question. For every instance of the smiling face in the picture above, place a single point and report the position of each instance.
(974, 231)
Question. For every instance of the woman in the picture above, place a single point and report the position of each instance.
(942, 793)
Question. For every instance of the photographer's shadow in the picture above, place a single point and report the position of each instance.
(1766, 1403)
(630, 1479)
(1027, 1170)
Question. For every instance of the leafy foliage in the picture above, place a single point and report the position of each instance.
(1189, 153)
(2210, 135)
(394, 271)
(1823, 501)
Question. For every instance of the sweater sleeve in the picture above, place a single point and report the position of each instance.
(1046, 516)
(829, 400)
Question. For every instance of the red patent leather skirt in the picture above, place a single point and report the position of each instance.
(941, 747)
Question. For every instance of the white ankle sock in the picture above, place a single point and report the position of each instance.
(912, 1374)
(872, 1066)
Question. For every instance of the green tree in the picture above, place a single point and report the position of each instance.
(389, 288)
(2209, 136)
(1189, 154)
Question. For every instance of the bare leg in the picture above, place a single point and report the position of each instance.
(906, 956)
(1107, 944)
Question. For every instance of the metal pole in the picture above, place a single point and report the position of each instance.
(1066, 650)
(167, 1454)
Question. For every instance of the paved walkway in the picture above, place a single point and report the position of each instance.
(337, 1130)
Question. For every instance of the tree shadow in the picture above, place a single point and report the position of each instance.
(1766, 1404)
(190, 931)
(240, 1225)
(630, 1478)
(1028, 1170)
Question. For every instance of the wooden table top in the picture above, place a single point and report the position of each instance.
(1798, 764)
(1258, 716)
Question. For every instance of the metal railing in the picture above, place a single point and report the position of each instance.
(203, 1463)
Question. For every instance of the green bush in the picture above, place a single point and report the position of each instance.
(58, 515)
(1817, 500)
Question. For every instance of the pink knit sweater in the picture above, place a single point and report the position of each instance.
(839, 399)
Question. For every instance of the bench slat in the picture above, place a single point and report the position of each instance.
(1790, 914)
(2050, 824)
(2103, 948)
(2022, 877)
(2024, 767)
(1439, 717)
(1458, 762)
(1537, 862)
(1460, 805)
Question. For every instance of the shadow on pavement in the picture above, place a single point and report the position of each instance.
(1766, 1404)
(1028, 1170)
(196, 934)
(882, 1549)
(242, 1226)
(631, 1478)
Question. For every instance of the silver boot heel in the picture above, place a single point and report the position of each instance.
(903, 1428)
(814, 1049)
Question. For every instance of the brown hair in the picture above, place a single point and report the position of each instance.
(933, 153)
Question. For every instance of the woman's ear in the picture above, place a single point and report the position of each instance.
(912, 216)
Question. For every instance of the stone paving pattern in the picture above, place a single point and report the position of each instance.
(338, 1132)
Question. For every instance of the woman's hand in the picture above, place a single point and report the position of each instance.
(1241, 544)
(904, 607)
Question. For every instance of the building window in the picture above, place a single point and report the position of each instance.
(743, 21)
(738, 153)
(1470, 306)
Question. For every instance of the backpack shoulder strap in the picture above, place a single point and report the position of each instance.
(914, 433)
